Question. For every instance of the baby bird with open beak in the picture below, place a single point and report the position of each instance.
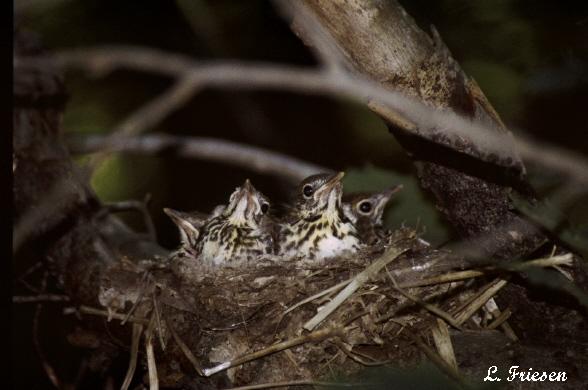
(234, 234)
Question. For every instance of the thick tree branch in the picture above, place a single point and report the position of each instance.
(383, 43)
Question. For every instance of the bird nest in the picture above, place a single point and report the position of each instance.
(275, 321)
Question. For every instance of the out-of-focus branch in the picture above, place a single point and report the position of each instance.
(427, 121)
(150, 114)
(323, 46)
(257, 159)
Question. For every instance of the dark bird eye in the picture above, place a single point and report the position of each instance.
(264, 208)
(308, 191)
(365, 207)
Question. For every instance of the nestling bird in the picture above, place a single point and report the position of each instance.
(190, 223)
(365, 210)
(316, 227)
(240, 232)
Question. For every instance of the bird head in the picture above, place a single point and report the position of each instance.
(247, 206)
(319, 194)
(368, 206)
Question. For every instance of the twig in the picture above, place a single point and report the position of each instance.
(355, 357)
(38, 265)
(40, 298)
(158, 319)
(435, 358)
(443, 343)
(147, 220)
(305, 23)
(304, 382)
(480, 300)
(329, 290)
(137, 331)
(82, 369)
(505, 315)
(104, 313)
(258, 159)
(150, 114)
(432, 308)
(313, 337)
(151, 365)
(189, 355)
(144, 281)
(565, 259)
(355, 284)
(49, 371)
(500, 319)
(445, 278)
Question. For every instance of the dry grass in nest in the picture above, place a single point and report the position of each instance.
(275, 321)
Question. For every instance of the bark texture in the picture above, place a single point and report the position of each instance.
(383, 42)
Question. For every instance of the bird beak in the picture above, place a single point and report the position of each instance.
(244, 201)
(248, 190)
(333, 183)
(384, 196)
(188, 232)
(177, 216)
(245, 191)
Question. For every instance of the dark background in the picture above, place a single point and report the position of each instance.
(529, 57)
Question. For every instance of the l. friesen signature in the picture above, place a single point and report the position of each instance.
(529, 375)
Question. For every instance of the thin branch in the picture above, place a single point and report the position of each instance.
(149, 115)
(505, 315)
(47, 367)
(357, 358)
(443, 343)
(137, 331)
(308, 27)
(40, 298)
(103, 313)
(189, 355)
(258, 159)
(142, 287)
(151, 365)
(435, 358)
(329, 290)
(313, 337)
(158, 321)
(480, 300)
(430, 307)
(429, 121)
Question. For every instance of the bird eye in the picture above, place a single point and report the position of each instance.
(307, 191)
(365, 207)
(264, 208)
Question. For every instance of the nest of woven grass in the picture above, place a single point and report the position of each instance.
(274, 321)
